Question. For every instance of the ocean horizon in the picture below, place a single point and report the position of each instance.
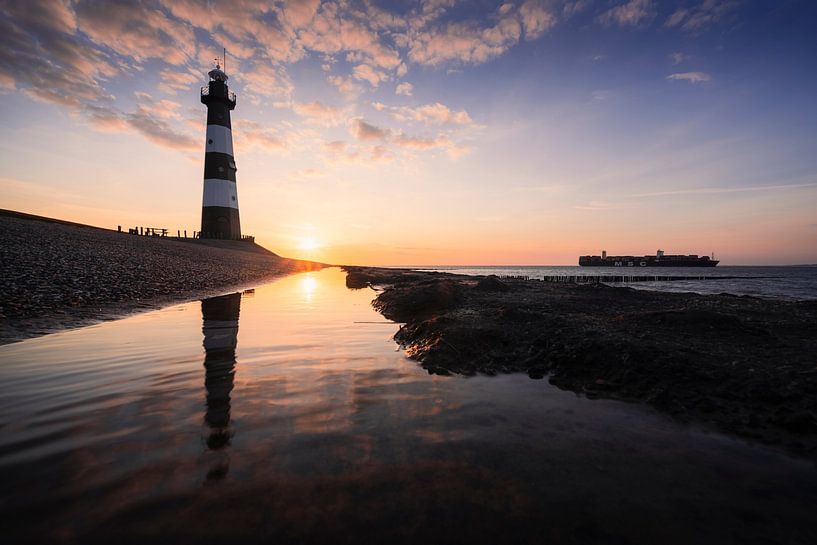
(788, 282)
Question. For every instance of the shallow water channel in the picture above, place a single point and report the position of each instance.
(287, 413)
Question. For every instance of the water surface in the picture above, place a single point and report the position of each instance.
(288, 413)
(791, 283)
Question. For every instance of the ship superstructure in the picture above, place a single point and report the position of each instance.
(660, 259)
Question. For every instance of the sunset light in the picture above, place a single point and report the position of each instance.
(408, 271)
(427, 132)
(308, 244)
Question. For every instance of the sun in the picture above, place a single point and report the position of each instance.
(308, 244)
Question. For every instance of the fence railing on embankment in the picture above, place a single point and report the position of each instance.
(162, 232)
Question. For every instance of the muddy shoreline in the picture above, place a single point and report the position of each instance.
(740, 365)
(58, 275)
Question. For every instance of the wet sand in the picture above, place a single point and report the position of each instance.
(57, 275)
(741, 365)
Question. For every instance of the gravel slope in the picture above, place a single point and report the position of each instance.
(57, 274)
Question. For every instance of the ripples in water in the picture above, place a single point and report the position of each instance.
(287, 413)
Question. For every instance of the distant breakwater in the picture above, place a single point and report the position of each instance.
(607, 279)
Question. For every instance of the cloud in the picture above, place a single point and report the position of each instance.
(104, 119)
(432, 114)
(632, 13)
(365, 72)
(336, 146)
(160, 132)
(678, 57)
(333, 31)
(535, 19)
(574, 8)
(718, 190)
(267, 80)
(692, 77)
(317, 112)
(307, 174)
(252, 25)
(405, 89)
(601, 205)
(164, 108)
(175, 80)
(251, 135)
(344, 84)
(453, 150)
(381, 153)
(367, 132)
(76, 53)
(698, 18)
(131, 30)
(469, 42)
(42, 56)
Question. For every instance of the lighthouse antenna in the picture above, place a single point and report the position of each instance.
(225, 59)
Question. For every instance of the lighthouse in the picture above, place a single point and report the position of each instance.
(220, 328)
(219, 212)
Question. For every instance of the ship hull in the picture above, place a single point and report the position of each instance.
(638, 262)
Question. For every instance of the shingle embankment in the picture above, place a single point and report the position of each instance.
(56, 275)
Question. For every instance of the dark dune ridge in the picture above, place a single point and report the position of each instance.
(742, 365)
(57, 274)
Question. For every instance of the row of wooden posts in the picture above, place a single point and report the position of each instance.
(598, 279)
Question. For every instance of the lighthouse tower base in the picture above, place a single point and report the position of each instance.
(220, 222)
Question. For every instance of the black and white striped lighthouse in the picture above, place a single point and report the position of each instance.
(219, 213)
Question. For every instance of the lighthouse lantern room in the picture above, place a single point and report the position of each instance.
(219, 213)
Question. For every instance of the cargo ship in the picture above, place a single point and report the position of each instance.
(658, 260)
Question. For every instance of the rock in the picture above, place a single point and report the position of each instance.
(491, 283)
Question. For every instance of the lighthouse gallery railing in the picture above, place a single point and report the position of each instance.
(205, 91)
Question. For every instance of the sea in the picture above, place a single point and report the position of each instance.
(790, 282)
(285, 412)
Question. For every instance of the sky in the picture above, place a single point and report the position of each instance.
(438, 132)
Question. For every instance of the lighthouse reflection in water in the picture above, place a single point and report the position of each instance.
(220, 329)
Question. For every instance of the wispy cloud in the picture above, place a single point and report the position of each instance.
(318, 112)
(160, 132)
(602, 205)
(701, 16)
(718, 190)
(632, 13)
(432, 114)
(366, 131)
(692, 77)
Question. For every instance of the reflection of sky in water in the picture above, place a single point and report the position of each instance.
(291, 404)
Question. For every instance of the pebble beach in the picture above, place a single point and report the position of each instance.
(57, 274)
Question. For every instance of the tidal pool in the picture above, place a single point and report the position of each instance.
(287, 413)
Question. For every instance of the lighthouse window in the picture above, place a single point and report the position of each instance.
(221, 169)
(232, 165)
(209, 140)
(233, 197)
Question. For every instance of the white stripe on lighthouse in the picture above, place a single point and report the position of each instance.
(220, 334)
(219, 139)
(220, 193)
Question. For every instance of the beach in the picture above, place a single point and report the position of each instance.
(742, 365)
(57, 275)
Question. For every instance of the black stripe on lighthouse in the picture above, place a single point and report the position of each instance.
(219, 215)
